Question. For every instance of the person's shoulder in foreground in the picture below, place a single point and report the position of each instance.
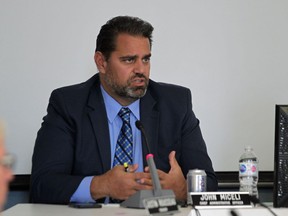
(6, 175)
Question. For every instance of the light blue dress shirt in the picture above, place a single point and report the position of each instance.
(82, 194)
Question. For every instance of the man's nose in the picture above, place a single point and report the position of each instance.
(139, 66)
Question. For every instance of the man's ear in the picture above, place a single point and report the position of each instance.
(100, 61)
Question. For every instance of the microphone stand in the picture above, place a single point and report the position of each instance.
(136, 200)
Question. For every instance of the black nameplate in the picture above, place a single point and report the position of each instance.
(220, 199)
(161, 205)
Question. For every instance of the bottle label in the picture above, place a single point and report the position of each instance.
(248, 169)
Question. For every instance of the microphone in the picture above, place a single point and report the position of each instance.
(154, 175)
(144, 196)
(140, 127)
(150, 160)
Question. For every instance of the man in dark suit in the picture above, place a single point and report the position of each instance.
(76, 145)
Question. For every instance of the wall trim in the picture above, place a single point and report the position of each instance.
(225, 180)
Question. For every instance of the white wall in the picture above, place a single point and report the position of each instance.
(232, 54)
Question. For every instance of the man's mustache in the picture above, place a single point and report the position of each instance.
(139, 76)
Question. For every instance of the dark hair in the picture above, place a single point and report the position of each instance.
(106, 39)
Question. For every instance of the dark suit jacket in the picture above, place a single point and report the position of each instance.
(73, 141)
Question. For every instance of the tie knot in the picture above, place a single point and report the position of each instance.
(124, 114)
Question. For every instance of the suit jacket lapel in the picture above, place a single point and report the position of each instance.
(99, 123)
(150, 120)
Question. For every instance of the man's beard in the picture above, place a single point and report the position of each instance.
(127, 91)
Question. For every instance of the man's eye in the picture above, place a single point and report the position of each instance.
(146, 60)
(129, 60)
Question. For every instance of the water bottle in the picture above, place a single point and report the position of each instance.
(248, 172)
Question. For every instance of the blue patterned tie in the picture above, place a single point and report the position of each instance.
(124, 146)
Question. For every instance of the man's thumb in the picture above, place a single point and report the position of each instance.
(172, 160)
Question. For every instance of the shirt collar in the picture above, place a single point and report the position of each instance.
(113, 107)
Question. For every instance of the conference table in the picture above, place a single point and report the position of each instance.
(115, 209)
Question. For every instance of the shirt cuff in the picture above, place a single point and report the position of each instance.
(82, 194)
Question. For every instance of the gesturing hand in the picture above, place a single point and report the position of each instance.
(118, 184)
(174, 179)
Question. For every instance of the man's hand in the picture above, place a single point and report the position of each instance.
(118, 184)
(174, 179)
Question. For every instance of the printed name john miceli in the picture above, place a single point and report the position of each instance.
(210, 197)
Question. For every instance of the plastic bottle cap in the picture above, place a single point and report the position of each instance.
(248, 148)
